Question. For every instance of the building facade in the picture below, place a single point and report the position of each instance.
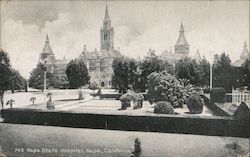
(99, 63)
(54, 66)
(181, 48)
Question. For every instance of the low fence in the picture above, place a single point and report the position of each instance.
(239, 96)
(216, 126)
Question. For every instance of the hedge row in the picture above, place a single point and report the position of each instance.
(218, 95)
(219, 126)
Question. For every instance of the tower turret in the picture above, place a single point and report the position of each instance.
(107, 33)
(47, 56)
(182, 46)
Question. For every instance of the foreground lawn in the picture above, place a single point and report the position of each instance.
(24, 140)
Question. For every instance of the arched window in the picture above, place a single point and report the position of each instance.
(105, 36)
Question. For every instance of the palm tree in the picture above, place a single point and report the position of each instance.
(32, 99)
(10, 102)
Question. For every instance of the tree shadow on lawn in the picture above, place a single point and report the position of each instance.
(191, 113)
(235, 149)
(175, 113)
(68, 100)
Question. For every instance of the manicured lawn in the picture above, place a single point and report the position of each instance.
(95, 142)
(112, 107)
(23, 99)
(67, 100)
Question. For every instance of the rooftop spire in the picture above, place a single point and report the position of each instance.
(47, 38)
(106, 18)
(47, 48)
(245, 44)
(181, 29)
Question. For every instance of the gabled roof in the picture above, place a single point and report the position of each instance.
(47, 49)
(181, 39)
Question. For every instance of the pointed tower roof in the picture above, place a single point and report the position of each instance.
(106, 17)
(47, 38)
(182, 39)
(47, 49)
(198, 56)
(245, 53)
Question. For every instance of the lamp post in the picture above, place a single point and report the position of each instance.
(211, 76)
(44, 81)
(211, 70)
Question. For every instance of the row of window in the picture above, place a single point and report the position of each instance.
(101, 63)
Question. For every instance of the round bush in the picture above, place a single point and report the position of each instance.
(80, 95)
(50, 105)
(164, 108)
(195, 104)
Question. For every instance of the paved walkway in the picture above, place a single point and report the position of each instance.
(28, 140)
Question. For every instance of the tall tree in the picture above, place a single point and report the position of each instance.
(245, 73)
(36, 79)
(125, 74)
(151, 63)
(187, 68)
(203, 72)
(17, 81)
(77, 74)
(6, 73)
(223, 72)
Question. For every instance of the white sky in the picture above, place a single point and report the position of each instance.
(139, 25)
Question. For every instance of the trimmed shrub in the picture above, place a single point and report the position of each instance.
(195, 104)
(131, 96)
(217, 95)
(228, 97)
(50, 105)
(99, 92)
(80, 95)
(163, 107)
(242, 112)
